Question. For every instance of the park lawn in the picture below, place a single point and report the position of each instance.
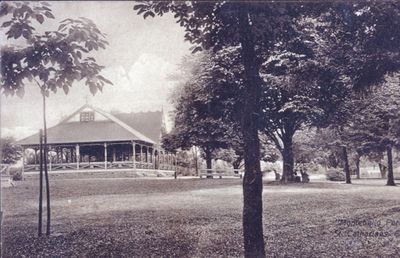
(201, 218)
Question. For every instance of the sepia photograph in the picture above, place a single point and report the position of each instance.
(237, 128)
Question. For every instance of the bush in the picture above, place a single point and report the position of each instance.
(335, 175)
(15, 173)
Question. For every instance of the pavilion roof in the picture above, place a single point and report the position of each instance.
(148, 123)
(144, 126)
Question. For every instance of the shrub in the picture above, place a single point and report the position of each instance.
(335, 175)
(16, 173)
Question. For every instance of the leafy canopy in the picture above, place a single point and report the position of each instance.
(10, 151)
(53, 59)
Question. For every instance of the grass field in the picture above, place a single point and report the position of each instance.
(201, 218)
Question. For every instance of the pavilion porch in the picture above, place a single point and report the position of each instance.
(99, 156)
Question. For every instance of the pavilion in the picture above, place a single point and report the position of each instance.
(91, 139)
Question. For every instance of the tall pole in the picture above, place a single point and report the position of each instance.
(46, 175)
(40, 181)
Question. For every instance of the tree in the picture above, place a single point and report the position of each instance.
(301, 92)
(229, 156)
(361, 40)
(305, 147)
(10, 151)
(376, 123)
(234, 154)
(52, 60)
(195, 120)
(216, 25)
(254, 28)
(336, 89)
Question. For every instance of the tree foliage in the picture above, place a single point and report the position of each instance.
(197, 121)
(376, 122)
(10, 151)
(54, 59)
(353, 46)
(375, 126)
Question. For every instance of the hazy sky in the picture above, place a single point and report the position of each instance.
(140, 55)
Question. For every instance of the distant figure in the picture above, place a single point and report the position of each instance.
(304, 176)
(277, 175)
(382, 169)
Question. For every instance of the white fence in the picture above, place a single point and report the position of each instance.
(211, 173)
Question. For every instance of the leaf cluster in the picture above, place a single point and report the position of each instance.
(52, 60)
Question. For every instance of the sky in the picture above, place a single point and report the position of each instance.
(140, 56)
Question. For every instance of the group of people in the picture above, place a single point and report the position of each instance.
(304, 178)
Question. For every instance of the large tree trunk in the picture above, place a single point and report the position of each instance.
(208, 163)
(252, 181)
(346, 165)
(288, 160)
(390, 176)
(196, 160)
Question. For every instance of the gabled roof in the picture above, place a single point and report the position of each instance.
(118, 127)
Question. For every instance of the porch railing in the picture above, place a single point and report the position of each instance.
(97, 165)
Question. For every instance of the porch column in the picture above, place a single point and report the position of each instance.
(65, 154)
(141, 153)
(134, 154)
(146, 155)
(105, 155)
(78, 155)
